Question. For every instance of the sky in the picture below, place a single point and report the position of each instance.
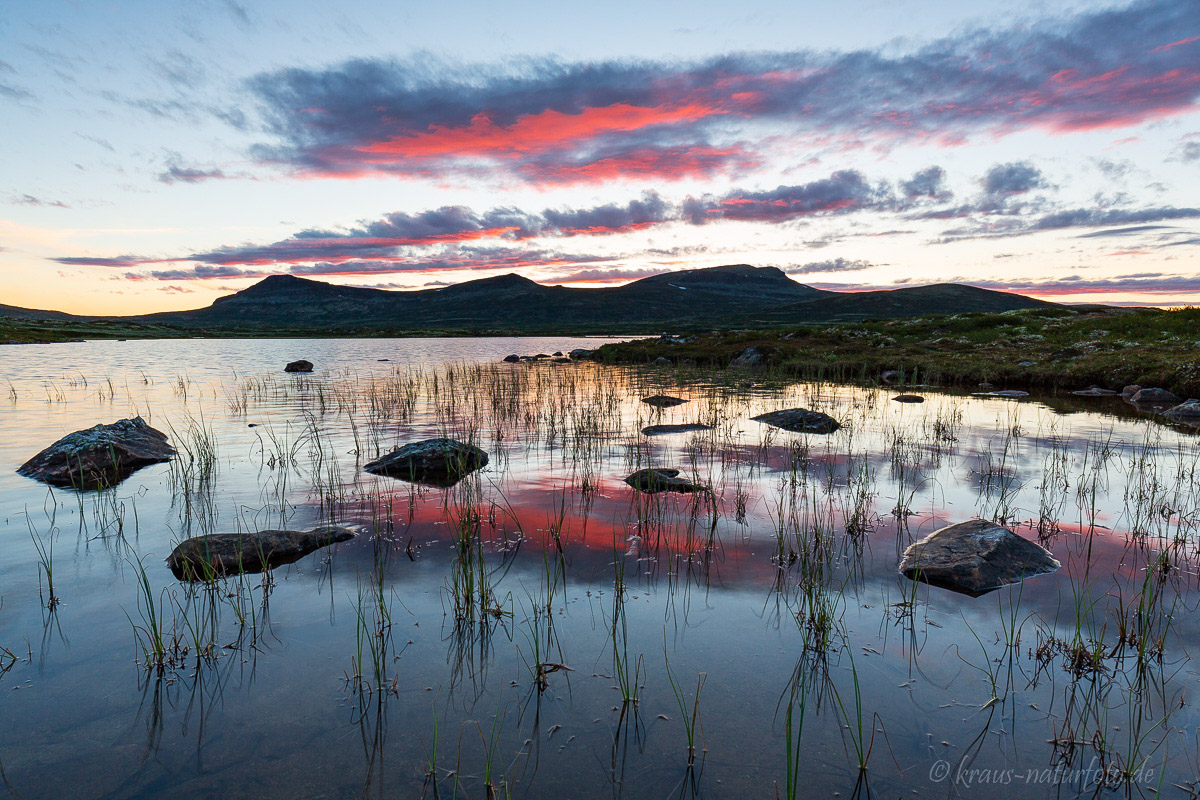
(158, 155)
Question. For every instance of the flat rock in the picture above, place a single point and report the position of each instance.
(655, 480)
(438, 462)
(908, 398)
(1008, 394)
(1094, 391)
(1154, 396)
(219, 554)
(299, 366)
(659, 430)
(99, 457)
(663, 401)
(800, 420)
(975, 558)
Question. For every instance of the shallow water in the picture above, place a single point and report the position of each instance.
(779, 593)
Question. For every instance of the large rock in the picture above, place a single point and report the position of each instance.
(663, 401)
(299, 366)
(439, 462)
(219, 554)
(800, 420)
(659, 430)
(1154, 396)
(1187, 412)
(974, 558)
(99, 457)
(750, 357)
(655, 480)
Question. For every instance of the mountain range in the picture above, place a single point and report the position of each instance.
(739, 295)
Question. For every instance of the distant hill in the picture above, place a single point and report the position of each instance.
(728, 296)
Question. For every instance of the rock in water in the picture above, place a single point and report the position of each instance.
(99, 457)
(219, 554)
(579, 353)
(974, 558)
(1094, 391)
(1154, 396)
(658, 430)
(299, 366)
(908, 398)
(512, 359)
(655, 480)
(663, 401)
(800, 420)
(439, 462)
(1187, 412)
(1008, 394)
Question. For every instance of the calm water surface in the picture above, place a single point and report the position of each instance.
(406, 662)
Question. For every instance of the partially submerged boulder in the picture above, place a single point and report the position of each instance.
(1007, 394)
(1154, 396)
(439, 462)
(975, 558)
(1187, 412)
(908, 398)
(99, 457)
(219, 554)
(659, 430)
(657, 479)
(663, 401)
(299, 366)
(1094, 391)
(800, 420)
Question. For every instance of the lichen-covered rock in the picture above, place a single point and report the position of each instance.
(439, 462)
(663, 401)
(659, 430)
(299, 366)
(99, 457)
(975, 558)
(656, 479)
(219, 554)
(908, 398)
(800, 420)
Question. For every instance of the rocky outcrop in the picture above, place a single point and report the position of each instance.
(655, 480)
(908, 398)
(975, 558)
(659, 430)
(663, 401)
(299, 366)
(99, 457)
(438, 462)
(800, 420)
(219, 554)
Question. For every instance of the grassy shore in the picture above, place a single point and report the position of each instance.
(1053, 349)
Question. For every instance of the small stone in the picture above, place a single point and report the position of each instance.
(512, 359)
(1187, 412)
(800, 420)
(1154, 396)
(750, 357)
(975, 558)
(659, 430)
(663, 401)
(299, 366)
(438, 462)
(1094, 391)
(219, 554)
(908, 398)
(655, 480)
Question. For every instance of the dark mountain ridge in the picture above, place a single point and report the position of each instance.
(735, 295)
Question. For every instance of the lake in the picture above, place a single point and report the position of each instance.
(541, 629)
